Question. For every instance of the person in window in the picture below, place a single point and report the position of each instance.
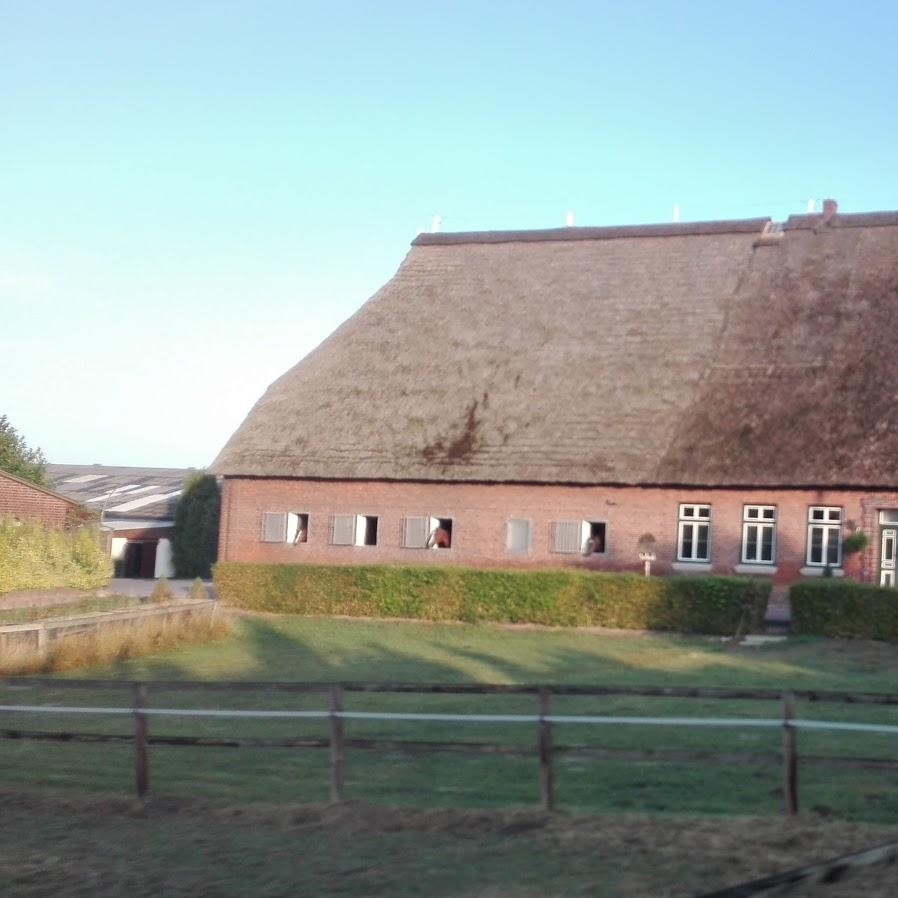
(302, 534)
(440, 538)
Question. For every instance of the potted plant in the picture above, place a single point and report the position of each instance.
(853, 550)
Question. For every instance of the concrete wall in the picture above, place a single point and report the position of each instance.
(480, 513)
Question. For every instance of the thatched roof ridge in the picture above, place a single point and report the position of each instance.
(679, 229)
(842, 220)
(702, 357)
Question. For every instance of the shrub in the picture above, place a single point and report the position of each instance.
(197, 590)
(721, 605)
(34, 557)
(162, 592)
(844, 608)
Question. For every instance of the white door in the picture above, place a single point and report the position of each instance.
(887, 557)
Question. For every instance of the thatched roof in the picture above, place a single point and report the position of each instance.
(718, 353)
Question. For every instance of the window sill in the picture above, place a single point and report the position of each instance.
(692, 567)
(818, 571)
(756, 570)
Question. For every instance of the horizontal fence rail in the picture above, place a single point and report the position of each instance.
(427, 716)
(544, 721)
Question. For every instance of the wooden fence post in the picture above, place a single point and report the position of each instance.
(42, 640)
(336, 703)
(790, 755)
(141, 759)
(546, 773)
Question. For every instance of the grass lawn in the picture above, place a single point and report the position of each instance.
(297, 648)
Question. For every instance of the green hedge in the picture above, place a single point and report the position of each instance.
(33, 557)
(844, 608)
(722, 605)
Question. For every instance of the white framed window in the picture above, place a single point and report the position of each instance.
(577, 537)
(758, 534)
(694, 533)
(297, 527)
(517, 536)
(353, 530)
(824, 536)
(427, 532)
(274, 527)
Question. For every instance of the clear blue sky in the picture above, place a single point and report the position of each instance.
(194, 194)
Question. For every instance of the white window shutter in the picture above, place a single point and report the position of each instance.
(517, 538)
(415, 532)
(566, 536)
(342, 529)
(274, 527)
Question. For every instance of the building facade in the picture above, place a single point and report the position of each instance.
(135, 508)
(718, 391)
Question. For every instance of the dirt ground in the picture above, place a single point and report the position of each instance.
(78, 846)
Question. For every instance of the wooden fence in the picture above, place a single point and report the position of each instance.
(542, 719)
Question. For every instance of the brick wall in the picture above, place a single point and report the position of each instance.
(480, 512)
(28, 503)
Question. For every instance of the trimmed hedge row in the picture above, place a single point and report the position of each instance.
(32, 557)
(719, 605)
(844, 608)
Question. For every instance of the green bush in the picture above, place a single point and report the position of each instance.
(721, 605)
(844, 608)
(34, 557)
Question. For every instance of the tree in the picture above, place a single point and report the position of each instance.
(16, 458)
(195, 540)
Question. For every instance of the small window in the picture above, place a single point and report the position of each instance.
(342, 530)
(594, 537)
(440, 536)
(427, 532)
(694, 533)
(824, 536)
(888, 516)
(274, 527)
(517, 536)
(366, 530)
(415, 532)
(758, 534)
(297, 528)
(565, 537)
(577, 537)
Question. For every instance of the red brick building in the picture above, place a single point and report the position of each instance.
(22, 500)
(723, 390)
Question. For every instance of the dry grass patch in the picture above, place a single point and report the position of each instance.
(173, 846)
(112, 642)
